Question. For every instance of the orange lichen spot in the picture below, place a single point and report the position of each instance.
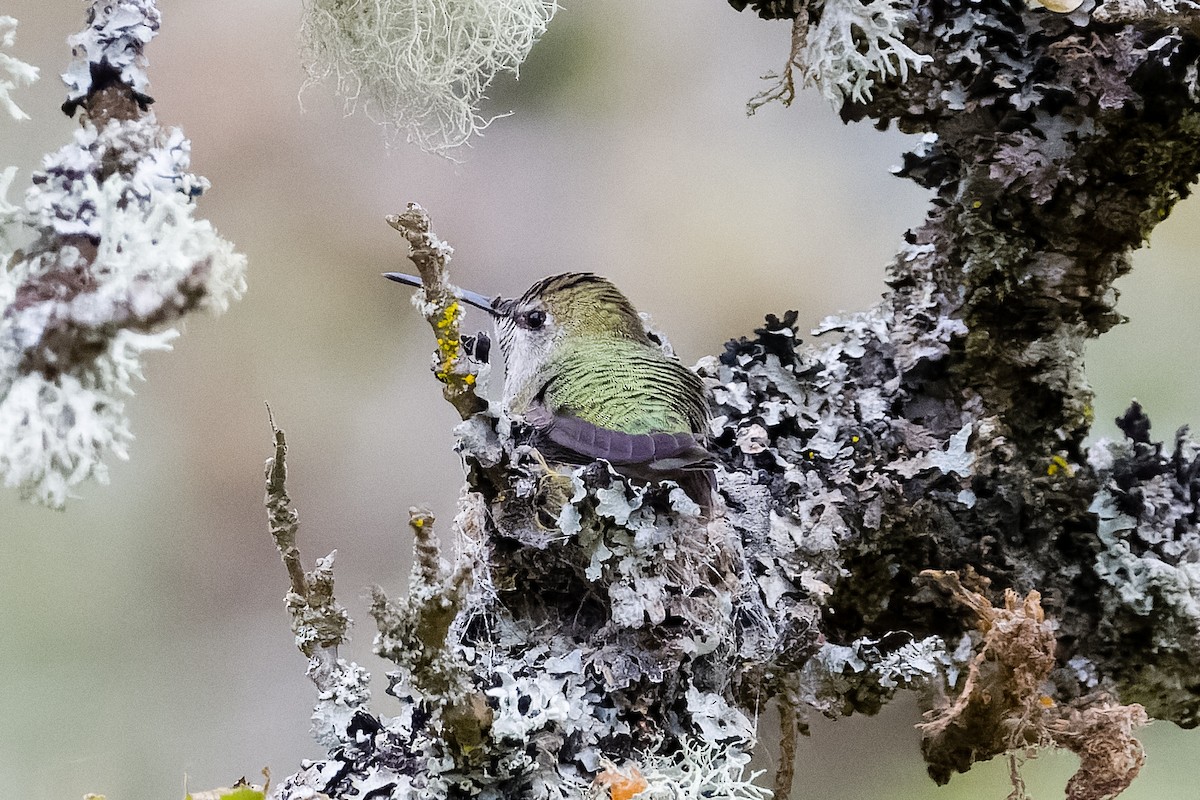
(1046, 701)
(622, 784)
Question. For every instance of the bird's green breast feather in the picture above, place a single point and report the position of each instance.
(629, 387)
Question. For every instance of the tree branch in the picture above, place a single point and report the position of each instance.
(101, 257)
(438, 303)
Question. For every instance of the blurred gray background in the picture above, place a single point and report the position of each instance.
(146, 642)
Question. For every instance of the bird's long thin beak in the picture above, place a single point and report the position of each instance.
(468, 297)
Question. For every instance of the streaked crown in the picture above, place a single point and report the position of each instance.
(576, 303)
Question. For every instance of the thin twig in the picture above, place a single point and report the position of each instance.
(783, 86)
(282, 519)
(318, 620)
(441, 308)
(786, 772)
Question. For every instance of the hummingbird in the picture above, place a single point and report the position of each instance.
(583, 374)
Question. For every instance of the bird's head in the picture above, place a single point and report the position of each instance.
(552, 314)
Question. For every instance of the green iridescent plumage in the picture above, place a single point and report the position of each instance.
(628, 386)
(581, 370)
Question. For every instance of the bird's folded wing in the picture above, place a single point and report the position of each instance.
(592, 441)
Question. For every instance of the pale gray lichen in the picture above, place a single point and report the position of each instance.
(318, 619)
(115, 253)
(701, 769)
(531, 704)
(851, 46)
(857, 44)
(1150, 560)
(876, 668)
(507, 719)
(100, 256)
(717, 720)
(103, 253)
(347, 692)
(14, 73)
(421, 67)
(12, 231)
(1085, 671)
(56, 432)
(955, 458)
(113, 42)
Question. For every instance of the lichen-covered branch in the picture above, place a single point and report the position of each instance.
(907, 502)
(102, 256)
(283, 520)
(1054, 142)
(438, 302)
(319, 621)
(1184, 14)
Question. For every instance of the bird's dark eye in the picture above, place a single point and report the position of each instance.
(535, 319)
